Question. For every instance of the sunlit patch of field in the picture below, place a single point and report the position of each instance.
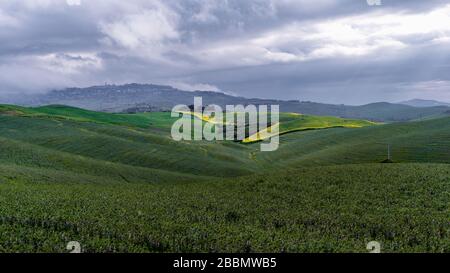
(292, 122)
(288, 123)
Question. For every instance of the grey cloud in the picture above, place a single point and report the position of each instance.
(229, 44)
(342, 80)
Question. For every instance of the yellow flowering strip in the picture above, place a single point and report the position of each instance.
(263, 134)
(275, 129)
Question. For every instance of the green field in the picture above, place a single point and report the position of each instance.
(287, 123)
(293, 122)
(119, 183)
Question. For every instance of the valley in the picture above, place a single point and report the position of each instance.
(119, 183)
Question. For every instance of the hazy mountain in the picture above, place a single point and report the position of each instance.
(148, 97)
(424, 103)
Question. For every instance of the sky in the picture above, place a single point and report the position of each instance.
(333, 51)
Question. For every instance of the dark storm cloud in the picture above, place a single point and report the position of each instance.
(325, 50)
(388, 77)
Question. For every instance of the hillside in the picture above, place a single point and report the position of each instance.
(287, 123)
(291, 122)
(50, 136)
(154, 98)
(424, 103)
(326, 209)
(93, 147)
(422, 141)
(119, 183)
(55, 133)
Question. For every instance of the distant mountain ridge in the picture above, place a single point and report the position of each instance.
(149, 97)
(424, 103)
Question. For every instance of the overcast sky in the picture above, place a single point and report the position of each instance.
(336, 51)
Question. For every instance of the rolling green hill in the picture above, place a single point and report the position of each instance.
(50, 135)
(287, 123)
(75, 114)
(48, 140)
(293, 122)
(118, 182)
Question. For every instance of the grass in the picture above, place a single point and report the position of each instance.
(403, 206)
(288, 123)
(119, 183)
(53, 140)
(291, 122)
